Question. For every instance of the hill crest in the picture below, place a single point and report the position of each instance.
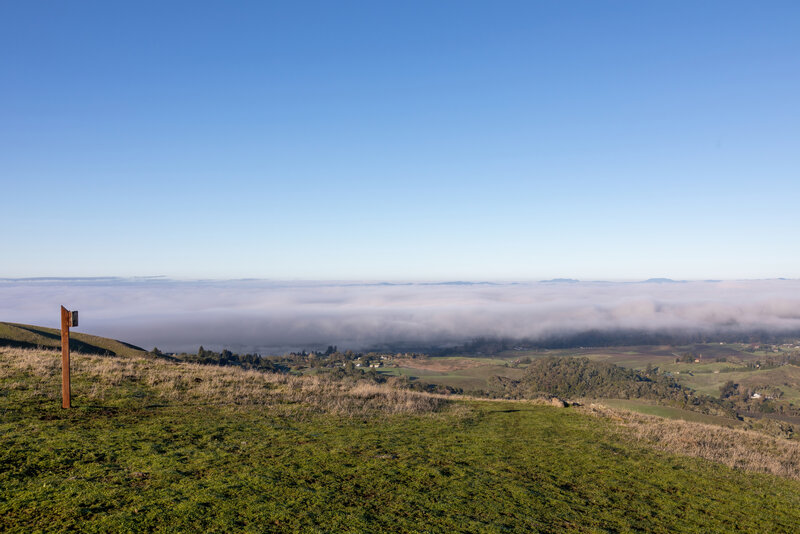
(31, 336)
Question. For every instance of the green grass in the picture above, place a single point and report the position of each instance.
(412, 372)
(29, 336)
(704, 367)
(476, 378)
(498, 359)
(137, 462)
(502, 468)
(468, 379)
(669, 412)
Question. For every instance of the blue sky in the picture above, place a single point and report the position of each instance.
(400, 140)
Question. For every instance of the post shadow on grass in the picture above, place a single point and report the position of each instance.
(19, 344)
(74, 344)
(43, 333)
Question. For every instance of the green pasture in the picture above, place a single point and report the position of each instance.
(704, 367)
(490, 467)
(668, 412)
(471, 378)
(500, 358)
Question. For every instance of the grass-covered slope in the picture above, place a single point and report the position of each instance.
(155, 445)
(29, 336)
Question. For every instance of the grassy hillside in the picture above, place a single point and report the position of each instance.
(669, 412)
(29, 336)
(154, 445)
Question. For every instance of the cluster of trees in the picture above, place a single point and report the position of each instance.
(686, 357)
(226, 357)
(762, 399)
(776, 360)
(349, 370)
(581, 377)
(733, 391)
(348, 364)
(332, 358)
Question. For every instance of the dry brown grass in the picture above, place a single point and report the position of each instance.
(740, 449)
(101, 378)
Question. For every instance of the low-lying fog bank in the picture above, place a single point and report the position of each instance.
(273, 317)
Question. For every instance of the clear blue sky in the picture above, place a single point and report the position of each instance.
(400, 140)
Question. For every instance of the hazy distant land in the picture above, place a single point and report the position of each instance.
(269, 316)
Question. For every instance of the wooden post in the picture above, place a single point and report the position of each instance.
(66, 320)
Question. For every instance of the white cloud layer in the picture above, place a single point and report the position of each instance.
(268, 316)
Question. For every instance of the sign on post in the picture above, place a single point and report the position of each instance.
(68, 318)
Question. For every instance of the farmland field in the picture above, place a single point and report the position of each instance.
(786, 378)
(649, 408)
(463, 373)
(706, 377)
